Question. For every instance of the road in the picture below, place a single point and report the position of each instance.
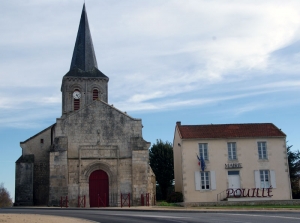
(116, 216)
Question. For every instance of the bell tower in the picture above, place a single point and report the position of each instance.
(84, 82)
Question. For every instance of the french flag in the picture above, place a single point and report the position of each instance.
(201, 162)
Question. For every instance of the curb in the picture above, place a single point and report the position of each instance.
(134, 209)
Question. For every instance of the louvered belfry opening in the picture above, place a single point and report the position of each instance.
(76, 102)
(95, 94)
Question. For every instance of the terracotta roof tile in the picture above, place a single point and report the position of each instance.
(229, 131)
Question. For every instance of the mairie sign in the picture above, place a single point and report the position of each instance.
(233, 165)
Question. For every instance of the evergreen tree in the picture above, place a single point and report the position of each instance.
(161, 162)
(294, 167)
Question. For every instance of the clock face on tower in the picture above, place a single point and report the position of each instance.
(76, 95)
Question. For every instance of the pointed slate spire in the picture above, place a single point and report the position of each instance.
(84, 56)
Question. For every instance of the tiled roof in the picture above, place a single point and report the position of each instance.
(229, 131)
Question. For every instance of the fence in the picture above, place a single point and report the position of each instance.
(64, 202)
(81, 201)
(143, 198)
(112, 200)
(125, 200)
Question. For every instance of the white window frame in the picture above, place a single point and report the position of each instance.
(203, 150)
(205, 180)
(264, 176)
(231, 147)
(209, 179)
(262, 150)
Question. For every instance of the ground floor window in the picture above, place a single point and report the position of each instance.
(205, 180)
(264, 179)
(205, 183)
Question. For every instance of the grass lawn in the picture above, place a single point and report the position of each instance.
(265, 206)
(254, 207)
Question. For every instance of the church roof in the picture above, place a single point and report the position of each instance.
(38, 133)
(229, 131)
(26, 159)
(84, 63)
(80, 73)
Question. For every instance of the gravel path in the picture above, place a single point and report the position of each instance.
(35, 218)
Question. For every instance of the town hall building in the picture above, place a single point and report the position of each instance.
(93, 150)
(232, 162)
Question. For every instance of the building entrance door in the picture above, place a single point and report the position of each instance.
(234, 180)
(99, 189)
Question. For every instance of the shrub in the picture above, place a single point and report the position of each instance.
(175, 197)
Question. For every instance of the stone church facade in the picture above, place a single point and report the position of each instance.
(93, 149)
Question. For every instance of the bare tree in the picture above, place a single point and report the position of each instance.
(5, 199)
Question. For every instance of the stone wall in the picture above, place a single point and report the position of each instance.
(41, 183)
(98, 124)
(39, 147)
(151, 187)
(140, 169)
(58, 166)
(24, 180)
(85, 86)
(79, 183)
(102, 137)
(95, 137)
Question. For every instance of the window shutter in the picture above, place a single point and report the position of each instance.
(213, 180)
(197, 180)
(95, 94)
(273, 178)
(257, 178)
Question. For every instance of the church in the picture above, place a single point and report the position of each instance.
(93, 150)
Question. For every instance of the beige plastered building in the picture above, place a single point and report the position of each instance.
(242, 162)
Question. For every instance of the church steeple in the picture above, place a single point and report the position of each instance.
(84, 56)
(83, 83)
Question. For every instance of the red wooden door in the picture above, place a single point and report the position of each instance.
(98, 184)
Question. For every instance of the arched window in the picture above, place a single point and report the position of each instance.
(95, 94)
(76, 96)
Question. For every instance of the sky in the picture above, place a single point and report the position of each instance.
(194, 61)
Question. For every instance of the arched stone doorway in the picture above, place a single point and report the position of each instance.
(99, 189)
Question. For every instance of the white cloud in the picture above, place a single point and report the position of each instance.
(158, 55)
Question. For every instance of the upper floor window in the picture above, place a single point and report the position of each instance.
(203, 150)
(95, 94)
(262, 150)
(231, 150)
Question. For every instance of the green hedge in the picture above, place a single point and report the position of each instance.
(175, 197)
